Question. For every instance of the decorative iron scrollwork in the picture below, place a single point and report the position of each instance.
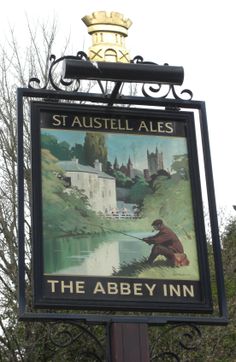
(161, 91)
(56, 81)
(76, 340)
(175, 341)
(169, 92)
(86, 343)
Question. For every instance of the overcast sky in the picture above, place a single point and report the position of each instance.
(198, 35)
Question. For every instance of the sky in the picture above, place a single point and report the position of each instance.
(125, 146)
(198, 35)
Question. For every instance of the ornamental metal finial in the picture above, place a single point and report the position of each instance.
(108, 30)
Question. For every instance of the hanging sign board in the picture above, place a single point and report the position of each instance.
(117, 210)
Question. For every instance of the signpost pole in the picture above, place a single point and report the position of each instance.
(129, 342)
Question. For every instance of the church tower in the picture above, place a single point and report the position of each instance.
(108, 30)
(130, 169)
(155, 161)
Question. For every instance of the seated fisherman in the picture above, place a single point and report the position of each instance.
(166, 243)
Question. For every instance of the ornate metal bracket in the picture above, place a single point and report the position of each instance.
(55, 81)
(175, 341)
(155, 91)
(81, 342)
(72, 339)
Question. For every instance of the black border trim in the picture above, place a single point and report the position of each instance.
(25, 314)
(205, 305)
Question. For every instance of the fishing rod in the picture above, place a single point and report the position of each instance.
(120, 232)
(115, 231)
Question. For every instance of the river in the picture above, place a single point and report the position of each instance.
(98, 255)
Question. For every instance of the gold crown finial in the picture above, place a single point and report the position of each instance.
(108, 30)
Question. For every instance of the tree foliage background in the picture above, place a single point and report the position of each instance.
(31, 341)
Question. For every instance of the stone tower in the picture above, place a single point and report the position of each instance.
(155, 161)
(108, 30)
(130, 169)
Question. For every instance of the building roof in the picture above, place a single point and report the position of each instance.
(75, 166)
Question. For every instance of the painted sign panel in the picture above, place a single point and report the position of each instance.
(117, 211)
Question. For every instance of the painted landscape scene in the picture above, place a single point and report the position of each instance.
(101, 196)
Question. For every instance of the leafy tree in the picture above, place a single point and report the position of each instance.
(95, 149)
(139, 191)
(180, 165)
(77, 151)
(109, 168)
(121, 179)
(60, 150)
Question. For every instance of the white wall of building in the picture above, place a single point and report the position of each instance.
(101, 191)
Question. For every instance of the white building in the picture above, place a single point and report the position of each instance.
(99, 187)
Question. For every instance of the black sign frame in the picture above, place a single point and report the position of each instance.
(47, 292)
(205, 305)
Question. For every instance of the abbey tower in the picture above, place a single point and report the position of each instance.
(155, 161)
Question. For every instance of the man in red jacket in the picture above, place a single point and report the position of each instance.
(166, 243)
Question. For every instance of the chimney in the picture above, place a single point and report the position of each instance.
(98, 165)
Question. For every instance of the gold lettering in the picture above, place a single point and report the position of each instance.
(105, 121)
(188, 291)
(99, 288)
(169, 127)
(151, 127)
(79, 287)
(97, 123)
(52, 284)
(165, 290)
(150, 288)
(175, 290)
(114, 124)
(178, 290)
(127, 125)
(88, 123)
(125, 289)
(143, 125)
(112, 288)
(120, 125)
(68, 286)
(160, 127)
(59, 120)
(138, 289)
(76, 121)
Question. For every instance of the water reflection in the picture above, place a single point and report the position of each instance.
(98, 255)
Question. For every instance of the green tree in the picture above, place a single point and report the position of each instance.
(109, 168)
(139, 191)
(77, 151)
(180, 165)
(95, 149)
(60, 150)
(122, 180)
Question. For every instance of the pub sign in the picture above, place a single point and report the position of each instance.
(117, 209)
